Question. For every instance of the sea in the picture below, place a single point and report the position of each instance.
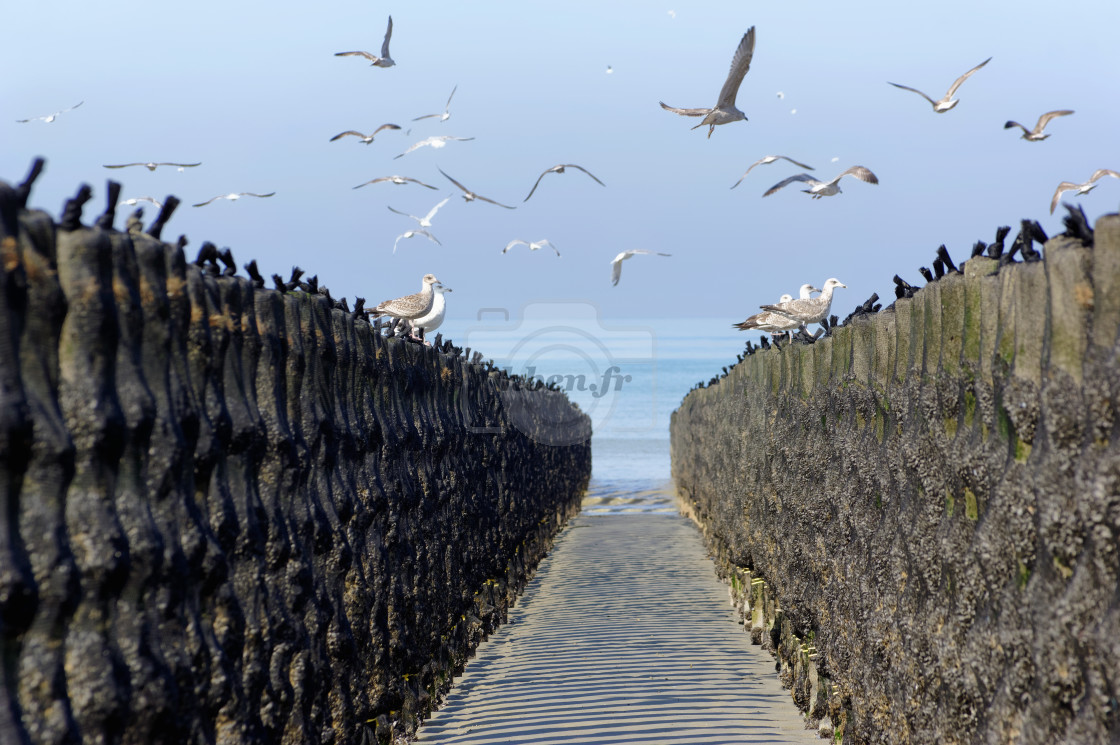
(628, 375)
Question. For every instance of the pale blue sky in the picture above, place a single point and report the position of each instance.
(254, 91)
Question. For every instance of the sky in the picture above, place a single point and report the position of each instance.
(255, 92)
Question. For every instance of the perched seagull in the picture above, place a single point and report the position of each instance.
(1084, 188)
(470, 196)
(446, 109)
(776, 323)
(153, 166)
(234, 197)
(947, 102)
(560, 169)
(431, 320)
(1035, 135)
(411, 234)
(811, 310)
(616, 262)
(426, 220)
(724, 111)
(136, 200)
(769, 159)
(384, 60)
(533, 246)
(820, 189)
(395, 180)
(50, 117)
(412, 306)
(436, 141)
(364, 137)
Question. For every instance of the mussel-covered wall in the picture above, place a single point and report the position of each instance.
(231, 514)
(920, 514)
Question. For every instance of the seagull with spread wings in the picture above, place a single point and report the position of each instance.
(446, 109)
(470, 196)
(50, 117)
(1036, 135)
(395, 180)
(616, 262)
(1080, 189)
(413, 233)
(769, 159)
(436, 141)
(384, 60)
(560, 169)
(426, 220)
(233, 197)
(367, 139)
(947, 102)
(153, 166)
(533, 245)
(136, 200)
(818, 189)
(724, 112)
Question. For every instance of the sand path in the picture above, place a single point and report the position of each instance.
(625, 635)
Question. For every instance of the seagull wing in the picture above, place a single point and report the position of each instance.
(863, 174)
(426, 116)
(537, 184)
(208, 201)
(367, 55)
(589, 173)
(752, 165)
(915, 90)
(957, 83)
(685, 112)
(388, 35)
(616, 266)
(1102, 172)
(546, 243)
(373, 181)
(791, 160)
(1045, 118)
(514, 242)
(1062, 187)
(491, 201)
(126, 165)
(251, 194)
(786, 182)
(448, 104)
(740, 63)
(434, 210)
(414, 217)
(386, 126)
(1010, 124)
(416, 181)
(465, 189)
(340, 135)
(180, 165)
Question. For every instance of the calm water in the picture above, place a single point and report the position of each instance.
(628, 376)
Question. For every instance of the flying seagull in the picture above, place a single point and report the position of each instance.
(470, 196)
(820, 189)
(409, 307)
(412, 234)
(234, 197)
(436, 141)
(947, 102)
(153, 166)
(811, 310)
(426, 220)
(1084, 188)
(724, 111)
(1035, 135)
(533, 246)
(367, 139)
(560, 169)
(395, 180)
(446, 109)
(384, 60)
(50, 117)
(616, 262)
(136, 200)
(769, 159)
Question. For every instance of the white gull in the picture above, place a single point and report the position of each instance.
(616, 262)
(426, 220)
(947, 102)
(533, 245)
(769, 159)
(436, 141)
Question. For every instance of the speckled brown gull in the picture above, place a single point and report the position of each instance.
(396, 180)
(1036, 135)
(436, 141)
(470, 196)
(818, 189)
(50, 117)
(724, 112)
(766, 159)
(533, 245)
(446, 109)
(410, 306)
(426, 220)
(616, 262)
(233, 197)
(812, 310)
(367, 139)
(153, 166)
(384, 60)
(1084, 188)
(947, 102)
(560, 169)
